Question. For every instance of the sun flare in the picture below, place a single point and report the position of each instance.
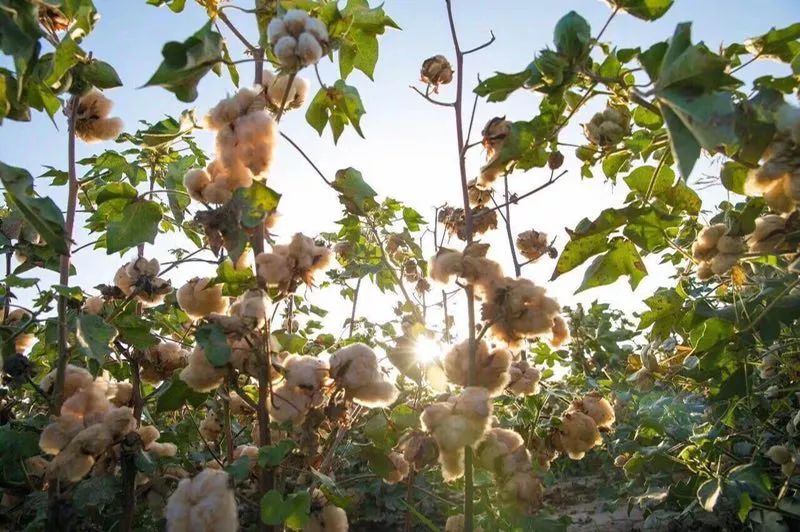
(427, 350)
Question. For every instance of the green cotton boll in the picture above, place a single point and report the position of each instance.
(572, 35)
(552, 67)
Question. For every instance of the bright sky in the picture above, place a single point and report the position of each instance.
(409, 152)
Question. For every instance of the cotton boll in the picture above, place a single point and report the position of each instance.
(163, 449)
(250, 451)
(317, 28)
(119, 421)
(329, 518)
(57, 435)
(305, 372)
(204, 503)
(252, 307)
(196, 181)
(309, 49)
(231, 108)
(455, 523)
(523, 378)
(199, 374)
(122, 393)
(93, 305)
(294, 97)
(198, 298)
(211, 427)
(70, 467)
(452, 463)
(578, 433)
(148, 434)
(276, 29)
(519, 309)
(730, 245)
(288, 404)
(704, 248)
(723, 262)
(420, 450)
(559, 332)
(161, 361)
(75, 378)
(779, 454)
(91, 122)
(596, 407)
(285, 50)
(100, 129)
(474, 402)
(436, 71)
(274, 269)
(491, 370)
(433, 415)
(497, 444)
(376, 394)
(523, 491)
(401, 468)
(769, 235)
(90, 403)
(92, 440)
(295, 21)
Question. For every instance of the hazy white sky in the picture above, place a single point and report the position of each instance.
(409, 152)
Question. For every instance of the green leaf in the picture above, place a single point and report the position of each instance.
(498, 87)
(710, 333)
(101, 75)
(42, 213)
(665, 303)
(644, 117)
(612, 164)
(354, 193)
(639, 180)
(10, 104)
(338, 106)
(274, 455)
(212, 339)
(621, 259)
(709, 117)
(572, 35)
(685, 148)
(780, 44)
(708, 493)
(652, 59)
(405, 417)
(115, 190)
(186, 63)
(137, 224)
(236, 281)
(15, 447)
(95, 337)
(298, 510)
(643, 9)
(378, 462)
(177, 198)
(412, 219)
(682, 198)
(579, 250)
(256, 202)
(176, 394)
(273, 508)
(733, 176)
(20, 33)
(233, 72)
(293, 343)
(240, 469)
(745, 505)
(67, 55)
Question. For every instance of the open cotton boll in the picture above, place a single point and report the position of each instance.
(523, 491)
(57, 435)
(769, 235)
(211, 427)
(308, 373)
(455, 523)
(196, 180)
(288, 404)
(163, 449)
(70, 466)
(92, 440)
(161, 361)
(400, 470)
(120, 393)
(91, 122)
(518, 309)
(75, 378)
(294, 97)
(577, 434)
(252, 306)
(119, 421)
(596, 407)
(491, 371)
(250, 451)
(355, 368)
(230, 108)
(204, 503)
(452, 463)
(199, 374)
(420, 450)
(523, 378)
(93, 305)
(148, 434)
(199, 298)
(289, 264)
(497, 444)
(325, 517)
(559, 333)
(90, 403)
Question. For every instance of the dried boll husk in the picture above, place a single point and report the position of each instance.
(91, 118)
(478, 195)
(596, 407)
(533, 245)
(204, 503)
(419, 450)
(436, 71)
(199, 298)
(491, 371)
(523, 378)
(484, 219)
(609, 127)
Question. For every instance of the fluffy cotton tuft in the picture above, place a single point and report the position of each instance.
(161, 361)
(355, 368)
(305, 372)
(204, 503)
(91, 118)
(139, 277)
(491, 371)
(769, 235)
(211, 427)
(596, 407)
(471, 266)
(400, 470)
(716, 251)
(577, 434)
(523, 378)
(288, 265)
(199, 374)
(199, 298)
(278, 91)
(297, 39)
(325, 517)
(93, 305)
(533, 245)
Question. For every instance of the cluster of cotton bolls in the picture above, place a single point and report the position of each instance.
(491, 366)
(503, 453)
(494, 135)
(460, 421)
(199, 298)
(17, 319)
(581, 425)
(778, 177)
(305, 377)
(454, 220)
(205, 502)
(92, 123)
(89, 422)
(784, 457)
(162, 360)
(523, 379)
(355, 369)
(516, 308)
(609, 127)
(289, 264)
(716, 251)
(297, 39)
(245, 147)
(139, 278)
(534, 244)
(149, 436)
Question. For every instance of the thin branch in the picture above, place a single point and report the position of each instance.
(516, 199)
(481, 47)
(307, 158)
(431, 100)
(225, 20)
